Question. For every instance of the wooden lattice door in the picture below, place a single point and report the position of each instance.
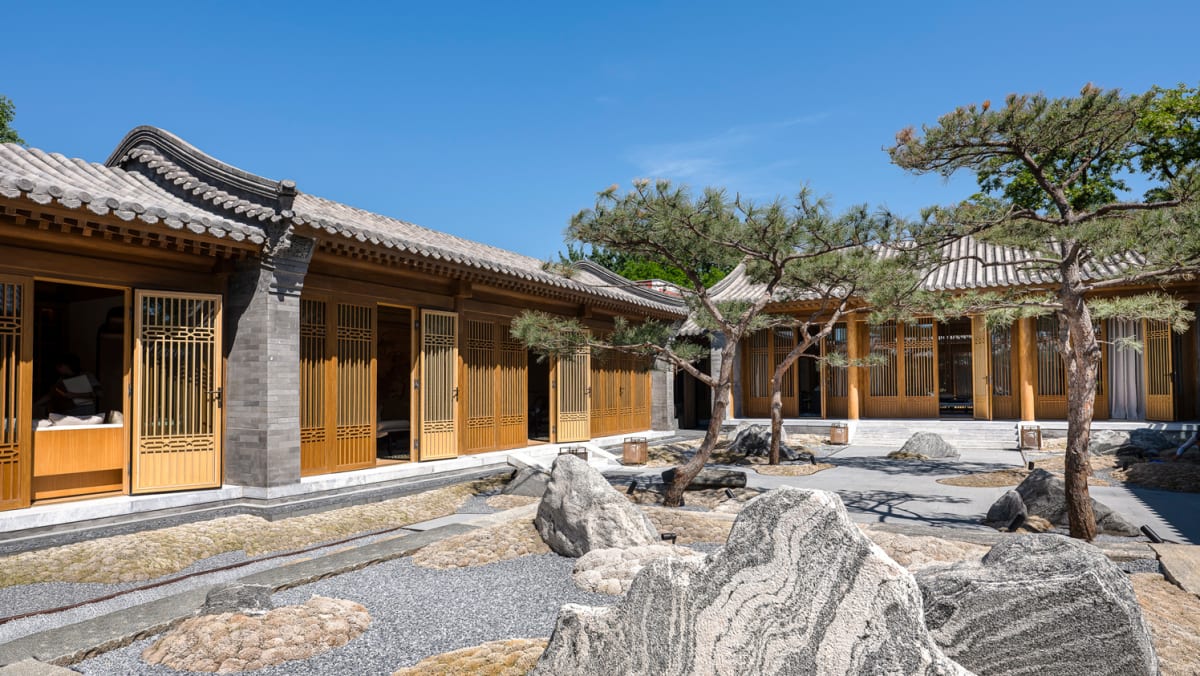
(573, 397)
(836, 378)
(1158, 365)
(438, 386)
(16, 384)
(177, 392)
(495, 388)
(981, 353)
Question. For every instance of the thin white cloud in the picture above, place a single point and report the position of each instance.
(727, 159)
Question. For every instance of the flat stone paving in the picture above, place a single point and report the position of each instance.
(1181, 565)
(878, 490)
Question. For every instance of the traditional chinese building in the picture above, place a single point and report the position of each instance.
(172, 323)
(963, 368)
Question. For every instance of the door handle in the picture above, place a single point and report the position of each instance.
(218, 394)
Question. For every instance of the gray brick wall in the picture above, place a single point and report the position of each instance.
(262, 409)
(662, 397)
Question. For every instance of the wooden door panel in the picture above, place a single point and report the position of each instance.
(981, 353)
(512, 387)
(16, 391)
(1159, 369)
(439, 385)
(573, 394)
(177, 374)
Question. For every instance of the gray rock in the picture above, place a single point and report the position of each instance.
(928, 445)
(529, 481)
(1106, 442)
(710, 478)
(1045, 495)
(1153, 440)
(32, 667)
(797, 589)
(1038, 604)
(236, 597)
(1003, 511)
(753, 440)
(581, 511)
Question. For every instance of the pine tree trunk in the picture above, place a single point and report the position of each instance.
(776, 417)
(721, 395)
(1083, 364)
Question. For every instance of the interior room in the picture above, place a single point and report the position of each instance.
(955, 384)
(539, 398)
(394, 376)
(79, 367)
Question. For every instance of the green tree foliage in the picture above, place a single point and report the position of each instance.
(8, 111)
(666, 225)
(638, 268)
(1057, 178)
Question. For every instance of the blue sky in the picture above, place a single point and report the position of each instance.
(497, 121)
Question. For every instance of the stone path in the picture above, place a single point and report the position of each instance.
(1181, 565)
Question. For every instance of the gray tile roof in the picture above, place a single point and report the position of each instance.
(155, 175)
(50, 178)
(968, 264)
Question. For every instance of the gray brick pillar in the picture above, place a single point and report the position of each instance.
(662, 396)
(262, 410)
(719, 350)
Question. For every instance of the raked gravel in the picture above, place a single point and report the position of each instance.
(416, 612)
(25, 598)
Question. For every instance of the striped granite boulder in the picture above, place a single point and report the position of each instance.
(1038, 604)
(796, 590)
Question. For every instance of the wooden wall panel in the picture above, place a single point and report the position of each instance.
(1050, 374)
(177, 369)
(439, 385)
(16, 373)
(765, 350)
(314, 384)
(355, 431)
(512, 390)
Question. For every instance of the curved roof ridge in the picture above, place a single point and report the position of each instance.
(628, 285)
(204, 167)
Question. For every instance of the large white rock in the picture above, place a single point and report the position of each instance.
(581, 511)
(796, 590)
(1039, 604)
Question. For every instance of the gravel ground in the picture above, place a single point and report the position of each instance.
(416, 612)
(477, 504)
(25, 598)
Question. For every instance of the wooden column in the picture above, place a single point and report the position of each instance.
(1026, 340)
(852, 375)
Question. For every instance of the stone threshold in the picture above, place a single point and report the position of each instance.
(73, 643)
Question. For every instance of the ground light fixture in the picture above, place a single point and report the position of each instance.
(633, 486)
(729, 493)
(668, 537)
(1154, 537)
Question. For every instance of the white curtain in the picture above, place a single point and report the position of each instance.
(1125, 391)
